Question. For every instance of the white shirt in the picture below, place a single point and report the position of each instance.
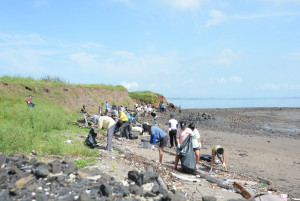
(196, 136)
(173, 124)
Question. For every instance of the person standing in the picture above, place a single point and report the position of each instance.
(124, 131)
(106, 106)
(179, 109)
(173, 125)
(108, 123)
(181, 135)
(219, 152)
(156, 134)
(196, 142)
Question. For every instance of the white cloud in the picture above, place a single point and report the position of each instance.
(281, 86)
(227, 56)
(235, 79)
(124, 53)
(92, 45)
(223, 80)
(89, 61)
(217, 17)
(279, 2)
(264, 15)
(184, 4)
(130, 85)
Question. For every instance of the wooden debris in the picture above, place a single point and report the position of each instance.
(246, 194)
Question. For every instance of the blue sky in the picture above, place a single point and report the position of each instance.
(180, 48)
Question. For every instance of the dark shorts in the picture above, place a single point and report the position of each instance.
(196, 148)
(163, 142)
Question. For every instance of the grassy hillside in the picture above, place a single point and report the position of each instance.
(46, 127)
(145, 96)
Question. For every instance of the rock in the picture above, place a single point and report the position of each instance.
(2, 159)
(23, 182)
(105, 190)
(155, 189)
(85, 197)
(3, 177)
(149, 194)
(147, 177)
(28, 88)
(56, 166)
(36, 90)
(209, 198)
(133, 175)
(47, 90)
(70, 168)
(105, 178)
(148, 187)
(68, 197)
(135, 189)
(121, 190)
(42, 171)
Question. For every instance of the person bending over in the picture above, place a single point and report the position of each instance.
(219, 152)
(156, 133)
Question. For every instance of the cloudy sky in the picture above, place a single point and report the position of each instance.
(180, 48)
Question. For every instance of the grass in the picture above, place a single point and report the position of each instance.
(144, 96)
(54, 81)
(81, 163)
(23, 129)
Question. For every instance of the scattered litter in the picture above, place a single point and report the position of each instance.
(68, 141)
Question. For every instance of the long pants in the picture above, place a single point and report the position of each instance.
(124, 131)
(172, 134)
(110, 134)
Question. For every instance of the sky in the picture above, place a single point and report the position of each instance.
(179, 48)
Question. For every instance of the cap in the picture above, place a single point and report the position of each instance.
(172, 115)
(119, 108)
(183, 124)
(114, 107)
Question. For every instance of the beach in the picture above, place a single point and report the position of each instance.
(261, 142)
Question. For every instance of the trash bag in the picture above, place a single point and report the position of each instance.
(90, 140)
(187, 157)
(133, 136)
(205, 157)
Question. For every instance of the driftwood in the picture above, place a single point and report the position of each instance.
(243, 191)
(185, 178)
(160, 181)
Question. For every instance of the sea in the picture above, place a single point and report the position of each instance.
(205, 103)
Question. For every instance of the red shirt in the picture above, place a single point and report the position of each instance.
(28, 100)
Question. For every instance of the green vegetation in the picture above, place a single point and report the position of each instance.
(54, 81)
(144, 96)
(23, 129)
(81, 163)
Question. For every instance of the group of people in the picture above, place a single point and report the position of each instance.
(177, 137)
(118, 119)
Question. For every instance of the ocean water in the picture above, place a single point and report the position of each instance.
(199, 103)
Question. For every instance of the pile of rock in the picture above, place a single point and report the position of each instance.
(24, 179)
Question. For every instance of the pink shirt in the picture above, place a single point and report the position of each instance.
(183, 134)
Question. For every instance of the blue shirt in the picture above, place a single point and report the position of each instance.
(106, 105)
(156, 133)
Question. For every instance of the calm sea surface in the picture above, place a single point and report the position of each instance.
(198, 103)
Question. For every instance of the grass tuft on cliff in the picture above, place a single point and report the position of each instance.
(144, 96)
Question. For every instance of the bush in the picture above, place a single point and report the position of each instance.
(144, 96)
